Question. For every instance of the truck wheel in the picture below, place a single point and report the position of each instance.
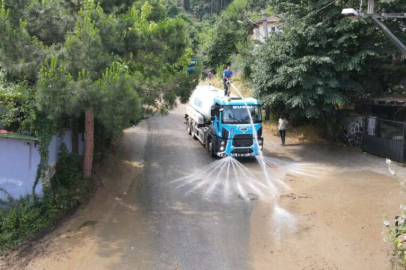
(189, 127)
(193, 131)
(210, 148)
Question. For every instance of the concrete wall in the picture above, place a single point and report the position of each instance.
(258, 33)
(65, 137)
(18, 165)
(19, 159)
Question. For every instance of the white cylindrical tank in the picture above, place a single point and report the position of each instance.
(202, 99)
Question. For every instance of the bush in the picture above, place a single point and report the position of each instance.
(396, 232)
(27, 217)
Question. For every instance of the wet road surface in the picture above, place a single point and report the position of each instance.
(189, 231)
(144, 217)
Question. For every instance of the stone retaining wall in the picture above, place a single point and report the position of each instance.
(351, 131)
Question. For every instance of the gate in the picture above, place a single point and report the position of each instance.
(385, 138)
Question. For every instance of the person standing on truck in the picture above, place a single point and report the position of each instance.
(227, 74)
(282, 128)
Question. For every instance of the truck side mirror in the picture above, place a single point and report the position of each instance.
(212, 111)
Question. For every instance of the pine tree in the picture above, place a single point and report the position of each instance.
(81, 60)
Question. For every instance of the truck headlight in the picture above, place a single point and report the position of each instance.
(223, 142)
(260, 142)
(222, 148)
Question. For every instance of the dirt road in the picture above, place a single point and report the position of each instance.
(142, 219)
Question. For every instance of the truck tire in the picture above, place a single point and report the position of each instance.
(210, 147)
(189, 127)
(193, 131)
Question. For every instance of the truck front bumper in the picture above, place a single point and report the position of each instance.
(227, 149)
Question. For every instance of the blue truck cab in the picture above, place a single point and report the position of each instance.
(232, 132)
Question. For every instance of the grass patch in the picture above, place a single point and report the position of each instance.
(25, 218)
(307, 133)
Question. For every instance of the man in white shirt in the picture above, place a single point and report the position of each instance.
(282, 128)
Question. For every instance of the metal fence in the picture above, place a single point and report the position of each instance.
(385, 138)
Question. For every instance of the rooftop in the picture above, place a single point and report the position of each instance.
(18, 136)
(269, 19)
(385, 101)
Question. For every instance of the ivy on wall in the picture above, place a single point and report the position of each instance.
(45, 129)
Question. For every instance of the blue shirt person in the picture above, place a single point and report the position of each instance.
(227, 74)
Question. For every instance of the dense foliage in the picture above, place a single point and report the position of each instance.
(153, 55)
(228, 40)
(321, 60)
(317, 64)
(114, 60)
(221, 41)
(19, 107)
(396, 229)
(63, 60)
(203, 9)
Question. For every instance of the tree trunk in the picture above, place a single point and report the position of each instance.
(89, 145)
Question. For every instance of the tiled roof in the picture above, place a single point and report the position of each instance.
(385, 101)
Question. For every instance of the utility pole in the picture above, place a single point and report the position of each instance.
(265, 24)
(371, 6)
(388, 33)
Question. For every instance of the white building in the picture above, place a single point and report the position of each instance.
(258, 30)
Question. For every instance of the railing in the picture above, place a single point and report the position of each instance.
(385, 138)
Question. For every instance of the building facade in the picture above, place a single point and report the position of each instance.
(258, 31)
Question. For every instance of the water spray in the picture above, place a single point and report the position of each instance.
(261, 157)
(281, 218)
(228, 177)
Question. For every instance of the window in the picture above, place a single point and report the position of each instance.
(271, 29)
(238, 114)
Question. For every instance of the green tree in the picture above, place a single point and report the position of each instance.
(19, 107)
(226, 34)
(81, 60)
(203, 7)
(320, 61)
(21, 55)
(85, 61)
(229, 36)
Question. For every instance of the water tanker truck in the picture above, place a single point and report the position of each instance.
(222, 123)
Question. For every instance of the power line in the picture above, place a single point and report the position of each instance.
(313, 12)
(326, 6)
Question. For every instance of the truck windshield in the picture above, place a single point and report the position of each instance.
(237, 114)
